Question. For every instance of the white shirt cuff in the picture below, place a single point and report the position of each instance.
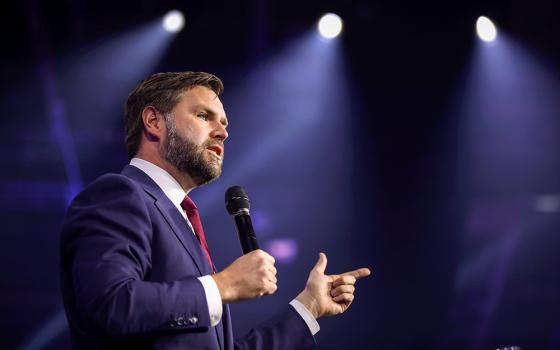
(307, 316)
(213, 298)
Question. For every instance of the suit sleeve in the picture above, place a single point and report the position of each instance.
(286, 331)
(106, 256)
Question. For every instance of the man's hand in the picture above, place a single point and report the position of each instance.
(250, 276)
(327, 295)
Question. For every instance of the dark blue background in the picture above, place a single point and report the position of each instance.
(392, 170)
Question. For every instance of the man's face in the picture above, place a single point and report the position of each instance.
(196, 130)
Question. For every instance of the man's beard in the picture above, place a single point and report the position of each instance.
(189, 158)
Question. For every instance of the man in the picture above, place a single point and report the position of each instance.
(136, 268)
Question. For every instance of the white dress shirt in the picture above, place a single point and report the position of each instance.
(176, 194)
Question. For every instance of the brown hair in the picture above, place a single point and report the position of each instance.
(164, 92)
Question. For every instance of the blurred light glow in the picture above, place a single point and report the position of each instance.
(261, 222)
(485, 29)
(173, 21)
(283, 250)
(330, 26)
(547, 203)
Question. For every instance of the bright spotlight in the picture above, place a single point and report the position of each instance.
(330, 25)
(485, 29)
(173, 21)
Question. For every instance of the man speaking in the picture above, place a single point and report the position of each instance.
(136, 268)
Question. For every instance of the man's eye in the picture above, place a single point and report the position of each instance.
(203, 116)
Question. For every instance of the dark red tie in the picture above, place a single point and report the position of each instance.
(194, 218)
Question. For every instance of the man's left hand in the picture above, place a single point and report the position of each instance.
(327, 295)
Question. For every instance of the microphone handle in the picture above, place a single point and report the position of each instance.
(246, 233)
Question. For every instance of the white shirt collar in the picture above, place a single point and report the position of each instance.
(164, 180)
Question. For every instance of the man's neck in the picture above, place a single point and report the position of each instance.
(183, 179)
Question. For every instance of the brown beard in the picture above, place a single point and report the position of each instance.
(188, 157)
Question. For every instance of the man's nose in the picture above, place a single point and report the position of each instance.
(220, 131)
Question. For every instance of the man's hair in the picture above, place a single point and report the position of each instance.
(163, 91)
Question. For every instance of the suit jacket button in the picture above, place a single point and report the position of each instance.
(193, 320)
(180, 321)
(172, 324)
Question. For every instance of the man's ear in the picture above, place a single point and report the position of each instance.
(154, 123)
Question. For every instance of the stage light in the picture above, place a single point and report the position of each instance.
(173, 21)
(330, 26)
(485, 29)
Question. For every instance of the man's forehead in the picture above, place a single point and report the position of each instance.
(202, 98)
(202, 95)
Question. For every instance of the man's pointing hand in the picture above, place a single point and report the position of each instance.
(327, 295)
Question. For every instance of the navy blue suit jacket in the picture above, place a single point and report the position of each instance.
(129, 266)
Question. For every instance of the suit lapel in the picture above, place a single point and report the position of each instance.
(173, 217)
(184, 234)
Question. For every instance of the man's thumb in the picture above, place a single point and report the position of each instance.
(321, 264)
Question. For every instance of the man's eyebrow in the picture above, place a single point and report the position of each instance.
(204, 107)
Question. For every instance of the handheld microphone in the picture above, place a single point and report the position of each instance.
(237, 205)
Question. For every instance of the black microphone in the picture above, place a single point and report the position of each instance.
(237, 205)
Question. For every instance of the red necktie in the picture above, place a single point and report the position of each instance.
(194, 218)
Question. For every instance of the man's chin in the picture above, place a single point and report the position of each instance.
(214, 166)
(209, 176)
(201, 181)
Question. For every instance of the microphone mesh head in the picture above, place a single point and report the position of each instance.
(236, 199)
